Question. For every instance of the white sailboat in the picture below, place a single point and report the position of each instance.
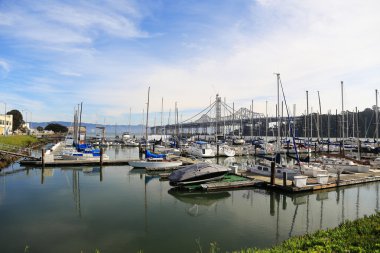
(153, 160)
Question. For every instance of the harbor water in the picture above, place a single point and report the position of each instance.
(121, 209)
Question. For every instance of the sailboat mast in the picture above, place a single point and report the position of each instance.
(341, 87)
(294, 120)
(320, 132)
(80, 121)
(278, 113)
(307, 114)
(147, 119)
(377, 120)
(266, 124)
(328, 125)
(162, 112)
(129, 130)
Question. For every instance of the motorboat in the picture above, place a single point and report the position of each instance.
(197, 173)
(201, 149)
(376, 163)
(224, 150)
(125, 136)
(238, 141)
(264, 168)
(336, 165)
(131, 143)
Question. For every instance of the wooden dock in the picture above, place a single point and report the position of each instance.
(61, 163)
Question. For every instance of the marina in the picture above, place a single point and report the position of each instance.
(189, 126)
(121, 208)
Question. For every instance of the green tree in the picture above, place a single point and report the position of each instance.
(40, 128)
(17, 119)
(56, 128)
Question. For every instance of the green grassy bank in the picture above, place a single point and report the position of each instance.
(19, 140)
(362, 235)
(16, 143)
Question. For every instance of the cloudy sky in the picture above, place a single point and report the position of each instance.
(56, 54)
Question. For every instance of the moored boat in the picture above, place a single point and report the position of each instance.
(197, 173)
(155, 161)
(201, 149)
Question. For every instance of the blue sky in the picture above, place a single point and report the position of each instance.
(56, 54)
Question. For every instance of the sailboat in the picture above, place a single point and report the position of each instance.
(153, 160)
(264, 168)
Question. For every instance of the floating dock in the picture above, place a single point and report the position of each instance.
(312, 185)
(229, 181)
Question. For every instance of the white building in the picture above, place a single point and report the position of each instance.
(6, 128)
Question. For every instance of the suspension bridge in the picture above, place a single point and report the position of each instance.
(219, 119)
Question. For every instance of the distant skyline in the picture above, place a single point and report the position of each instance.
(57, 54)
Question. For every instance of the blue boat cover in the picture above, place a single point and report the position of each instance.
(148, 154)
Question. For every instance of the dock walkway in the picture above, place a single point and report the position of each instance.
(312, 185)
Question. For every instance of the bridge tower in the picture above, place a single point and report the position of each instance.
(218, 114)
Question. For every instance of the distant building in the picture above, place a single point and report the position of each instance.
(82, 134)
(6, 128)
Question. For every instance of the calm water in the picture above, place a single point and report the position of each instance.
(120, 209)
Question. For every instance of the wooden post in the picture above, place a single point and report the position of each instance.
(43, 158)
(140, 151)
(338, 180)
(101, 174)
(284, 178)
(101, 157)
(217, 150)
(272, 173)
(287, 148)
(328, 146)
(315, 150)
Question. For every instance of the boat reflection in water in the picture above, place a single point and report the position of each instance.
(200, 202)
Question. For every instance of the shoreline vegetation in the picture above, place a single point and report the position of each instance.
(362, 235)
(17, 144)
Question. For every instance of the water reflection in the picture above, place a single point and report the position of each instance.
(127, 210)
(200, 202)
(76, 191)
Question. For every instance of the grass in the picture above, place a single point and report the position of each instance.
(362, 235)
(18, 140)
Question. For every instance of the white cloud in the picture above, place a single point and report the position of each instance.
(4, 65)
(313, 44)
(52, 23)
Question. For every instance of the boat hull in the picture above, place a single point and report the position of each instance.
(154, 164)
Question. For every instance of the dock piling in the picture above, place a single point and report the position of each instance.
(43, 158)
(140, 151)
(101, 157)
(284, 178)
(272, 172)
